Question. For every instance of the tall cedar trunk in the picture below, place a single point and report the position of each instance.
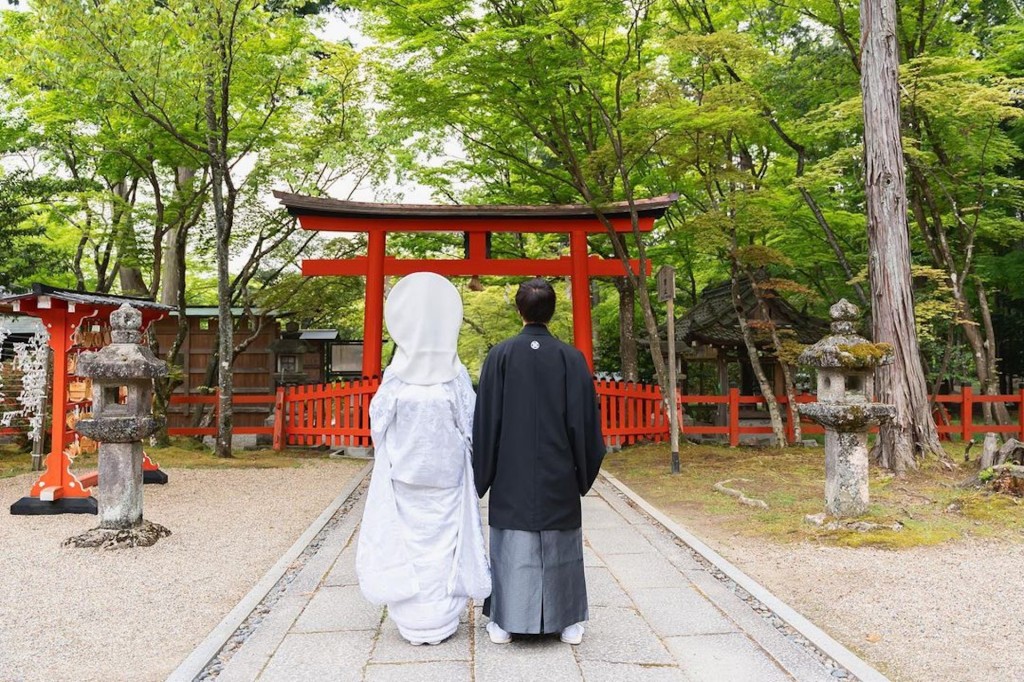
(627, 331)
(225, 324)
(902, 382)
(132, 282)
(767, 390)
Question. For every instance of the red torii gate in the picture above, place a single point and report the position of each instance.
(476, 221)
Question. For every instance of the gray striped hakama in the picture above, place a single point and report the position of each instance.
(538, 581)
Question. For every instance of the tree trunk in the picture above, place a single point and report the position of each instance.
(793, 411)
(128, 273)
(901, 383)
(225, 323)
(830, 235)
(787, 375)
(172, 270)
(980, 337)
(165, 387)
(991, 386)
(767, 390)
(627, 331)
(132, 283)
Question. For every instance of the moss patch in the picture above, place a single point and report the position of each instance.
(928, 503)
(864, 355)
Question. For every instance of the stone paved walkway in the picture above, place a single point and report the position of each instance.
(655, 614)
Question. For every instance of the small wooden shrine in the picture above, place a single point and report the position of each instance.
(76, 321)
(708, 337)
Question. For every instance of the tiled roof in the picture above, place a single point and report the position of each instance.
(301, 204)
(83, 297)
(713, 320)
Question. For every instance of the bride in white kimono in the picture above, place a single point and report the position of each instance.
(421, 548)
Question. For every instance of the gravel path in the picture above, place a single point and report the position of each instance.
(951, 612)
(135, 614)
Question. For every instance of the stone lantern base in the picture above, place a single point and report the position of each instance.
(145, 534)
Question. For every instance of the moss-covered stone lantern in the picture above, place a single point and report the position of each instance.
(122, 376)
(846, 362)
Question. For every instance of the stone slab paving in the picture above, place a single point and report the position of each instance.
(656, 615)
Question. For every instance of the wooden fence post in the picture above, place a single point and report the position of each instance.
(279, 419)
(966, 413)
(680, 413)
(1020, 416)
(790, 426)
(734, 417)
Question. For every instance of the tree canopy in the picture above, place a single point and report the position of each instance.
(140, 137)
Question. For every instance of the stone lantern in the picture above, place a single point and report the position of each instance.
(288, 352)
(846, 363)
(122, 376)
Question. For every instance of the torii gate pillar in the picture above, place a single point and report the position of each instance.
(582, 323)
(373, 313)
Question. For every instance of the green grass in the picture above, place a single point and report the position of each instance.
(929, 503)
(184, 453)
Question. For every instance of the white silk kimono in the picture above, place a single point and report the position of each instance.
(421, 548)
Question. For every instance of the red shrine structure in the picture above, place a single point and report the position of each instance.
(66, 314)
(477, 222)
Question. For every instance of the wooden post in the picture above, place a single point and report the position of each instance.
(734, 417)
(722, 411)
(279, 420)
(582, 327)
(667, 292)
(966, 412)
(673, 405)
(1020, 416)
(373, 314)
(60, 338)
(790, 424)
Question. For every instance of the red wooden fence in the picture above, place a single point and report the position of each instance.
(635, 412)
(631, 412)
(968, 401)
(327, 414)
(338, 414)
(620, 402)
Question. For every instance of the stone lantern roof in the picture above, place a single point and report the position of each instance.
(125, 359)
(844, 348)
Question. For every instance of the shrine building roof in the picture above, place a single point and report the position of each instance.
(40, 292)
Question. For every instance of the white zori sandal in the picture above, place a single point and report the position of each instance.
(573, 634)
(497, 635)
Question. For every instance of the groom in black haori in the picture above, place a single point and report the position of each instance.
(537, 447)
